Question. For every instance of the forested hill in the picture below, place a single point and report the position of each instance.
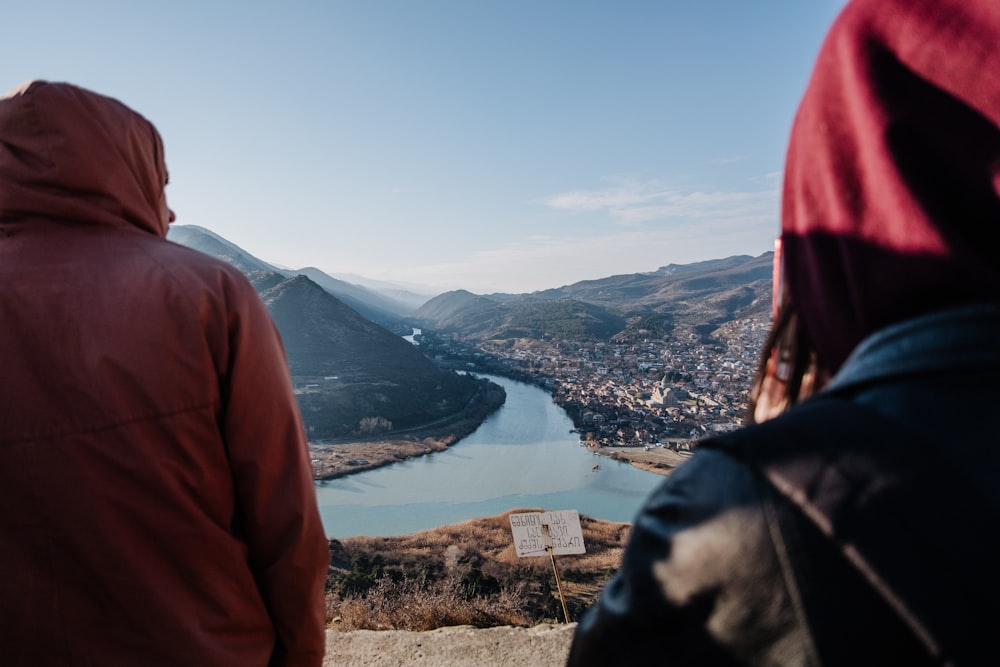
(349, 372)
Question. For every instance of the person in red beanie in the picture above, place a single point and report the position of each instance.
(156, 496)
(858, 521)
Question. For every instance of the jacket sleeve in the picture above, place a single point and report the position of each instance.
(276, 504)
(698, 577)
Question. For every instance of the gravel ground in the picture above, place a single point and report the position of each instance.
(460, 646)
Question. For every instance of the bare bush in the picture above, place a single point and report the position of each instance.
(410, 605)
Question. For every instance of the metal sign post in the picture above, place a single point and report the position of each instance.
(553, 533)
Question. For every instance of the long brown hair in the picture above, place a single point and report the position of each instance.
(788, 371)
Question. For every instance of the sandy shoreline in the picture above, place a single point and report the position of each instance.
(660, 460)
(331, 461)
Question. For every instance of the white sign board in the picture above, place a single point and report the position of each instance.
(536, 532)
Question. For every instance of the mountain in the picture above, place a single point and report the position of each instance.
(411, 297)
(672, 283)
(377, 307)
(322, 336)
(734, 261)
(212, 244)
(699, 296)
(348, 368)
(446, 309)
(485, 317)
(352, 376)
(386, 308)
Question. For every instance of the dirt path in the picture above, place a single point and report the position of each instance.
(461, 646)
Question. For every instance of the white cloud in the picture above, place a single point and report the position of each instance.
(637, 203)
(729, 159)
(646, 225)
(610, 199)
(540, 263)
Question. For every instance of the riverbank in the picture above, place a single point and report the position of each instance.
(333, 459)
(660, 460)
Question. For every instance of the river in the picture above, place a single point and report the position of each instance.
(522, 456)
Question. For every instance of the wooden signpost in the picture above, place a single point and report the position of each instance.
(555, 533)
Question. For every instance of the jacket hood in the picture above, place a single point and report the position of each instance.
(74, 156)
(890, 204)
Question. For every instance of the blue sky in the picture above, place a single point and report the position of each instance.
(493, 146)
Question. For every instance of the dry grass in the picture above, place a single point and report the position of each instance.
(408, 605)
(464, 574)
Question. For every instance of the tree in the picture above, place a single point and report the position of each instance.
(374, 424)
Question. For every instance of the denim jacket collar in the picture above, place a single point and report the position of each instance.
(966, 338)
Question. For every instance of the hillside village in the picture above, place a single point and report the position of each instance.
(654, 393)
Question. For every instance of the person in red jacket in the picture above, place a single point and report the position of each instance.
(857, 522)
(156, 496)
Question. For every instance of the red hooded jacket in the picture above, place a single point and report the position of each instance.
(156, 497)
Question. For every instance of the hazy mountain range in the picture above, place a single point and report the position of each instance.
(385, 305)
(345, 366)
(349, 361)
(701, 296)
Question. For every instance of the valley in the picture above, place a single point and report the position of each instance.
(644, 364)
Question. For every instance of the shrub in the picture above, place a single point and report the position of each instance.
(407, 605)
(466, 573)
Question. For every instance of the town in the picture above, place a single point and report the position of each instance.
(654, 393)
